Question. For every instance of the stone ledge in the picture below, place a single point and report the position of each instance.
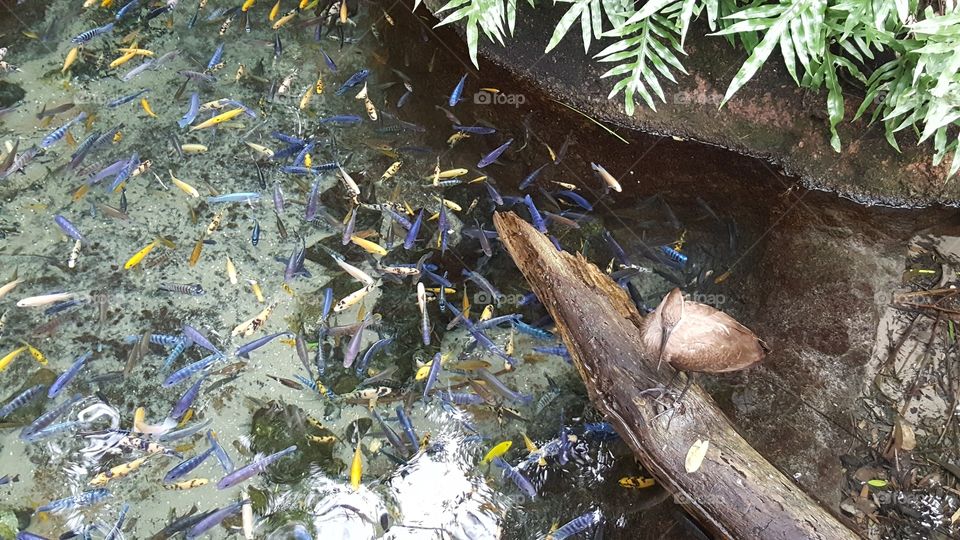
(769, 118)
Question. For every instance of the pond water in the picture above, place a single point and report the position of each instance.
(357, 471)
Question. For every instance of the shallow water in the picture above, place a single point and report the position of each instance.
(444, 486)
(749, 234)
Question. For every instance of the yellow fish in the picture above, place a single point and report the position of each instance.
(247, 5)
(231, 271)
(274, 11)
(37, 355)
(71, 58)
(218, 119)
(636, 482)
(497, 451)
(122, 60)
(187, 188)
(138, 52)
(146, 107)
(188, 484)
(356, 469)
(305, 100)
(10, 357)
(256, 290)
(368, 246)
(195, 254)
(487, 313)
(284, 20)
(318, 87)
(391, 171)
(138, 256)
(119, 471)
(343, 12)
(193, 148)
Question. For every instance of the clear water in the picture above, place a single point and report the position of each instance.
(443, 491)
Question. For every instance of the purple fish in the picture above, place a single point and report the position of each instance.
(414, 230)
(353, 349)
(432, 375)
(313, 201)
(199, 338)
(444, 228)
(277, 198)
(245, 349)
(535, 215)
(253, 469)
(348, 229)
(68, 228)
(493, 156)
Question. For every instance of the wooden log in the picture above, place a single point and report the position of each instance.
(735, 493)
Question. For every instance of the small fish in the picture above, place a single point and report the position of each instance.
(68, 228)
(90, 34)
(607, 178)
(257, 467)
(354, 80)
(193, 289)
(68, 375)
(356, 469)
(138, 256)
(457, 92)
(494, 155)
(497, 451)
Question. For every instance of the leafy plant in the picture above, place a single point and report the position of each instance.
(906, 60)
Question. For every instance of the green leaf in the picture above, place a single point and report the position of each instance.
(834, 102)
(759, 55)
(566, 22)
(648, 9)
(686, 13)
(877, 483)
(473, 39)
(955, 163)
(789, 57)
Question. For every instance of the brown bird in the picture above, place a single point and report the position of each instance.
(694, 337)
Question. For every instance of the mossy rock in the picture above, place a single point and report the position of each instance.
(281, 425)
(10, 93)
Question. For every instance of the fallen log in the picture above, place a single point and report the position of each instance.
(735, 493)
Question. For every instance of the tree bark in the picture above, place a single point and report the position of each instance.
(735, 493)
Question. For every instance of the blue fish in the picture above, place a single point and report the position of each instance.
(187, 371)
(475, 130)
(126, 171)
(64, 379)
(68, 228)
(531, 177)
(90, 34)
(354, 80)
(329, 61)
(341, 119)
(22, 399)
(58, 134)
(246, 196)
(457, 91)
(191, 112)
(127, 99)
(126, 9)
(215, 59)
(245, 349)
(494, 155)
(414, 230)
